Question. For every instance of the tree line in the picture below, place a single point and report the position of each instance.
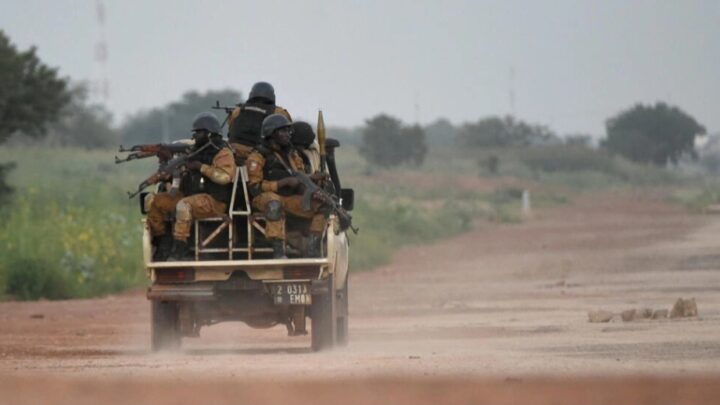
(36, 103)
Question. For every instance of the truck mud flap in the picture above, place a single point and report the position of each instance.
(179, 292)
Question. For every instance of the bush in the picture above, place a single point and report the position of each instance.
(564, 158)
(491, 132)
(387, 142)
(30, 279)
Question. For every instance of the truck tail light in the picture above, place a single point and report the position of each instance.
(301, 273)
(174, 275)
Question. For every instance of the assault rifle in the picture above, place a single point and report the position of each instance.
(312, 190)
(166, 170)
(143, 151)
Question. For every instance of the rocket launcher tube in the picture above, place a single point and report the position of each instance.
(322, 136)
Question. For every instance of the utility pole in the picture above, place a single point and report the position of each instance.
(511, 91)
(101, 88)
(417, 108)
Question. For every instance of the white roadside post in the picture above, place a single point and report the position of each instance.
(526, 206)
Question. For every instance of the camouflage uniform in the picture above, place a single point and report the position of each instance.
(218, 173)
(265, 167)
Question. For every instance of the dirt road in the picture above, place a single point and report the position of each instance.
(498, 315)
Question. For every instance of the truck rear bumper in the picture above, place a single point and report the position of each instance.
(180, 292)
(209, 292)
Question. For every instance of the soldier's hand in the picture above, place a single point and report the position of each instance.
(193, 165)
(290, 182)
(319, 177)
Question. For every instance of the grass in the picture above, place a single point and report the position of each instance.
(70, 231)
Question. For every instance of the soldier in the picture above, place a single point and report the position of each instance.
(303, 138)
(275, 189)
(245, 121)
(204, 191)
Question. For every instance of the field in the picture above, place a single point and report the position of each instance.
(71, 231)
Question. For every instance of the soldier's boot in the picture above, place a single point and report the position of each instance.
(180, 251)
(313, 249)
(278, 246)
(163, 247)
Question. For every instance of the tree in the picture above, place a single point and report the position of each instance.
(413, 137)
(503, 132)
(440, 132)
(652, 134)
(31, 93)
(31, 96)
(386, 142)
(381, 138)
(580, 140)
(174, 121)
(83, 124)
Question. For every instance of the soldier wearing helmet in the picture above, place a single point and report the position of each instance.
(245, 122)
(303, 138)
(202, 191)
(274, 188)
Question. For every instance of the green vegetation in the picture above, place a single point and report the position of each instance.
(386, 142)
(658, 134)
(502, 132)
(174, 120)
(33, 94)
(69, 230)
(698, 197)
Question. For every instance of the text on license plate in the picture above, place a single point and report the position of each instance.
(291, 293)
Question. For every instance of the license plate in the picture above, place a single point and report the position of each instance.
(291, 293)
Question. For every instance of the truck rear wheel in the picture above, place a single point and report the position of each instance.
(165, 328)
(342, 315)
(323, 318)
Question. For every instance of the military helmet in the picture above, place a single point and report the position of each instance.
(272, 123)
(262, 90)
(303, 134)
(206, 121)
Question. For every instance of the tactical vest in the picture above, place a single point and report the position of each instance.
(274, 168)
(247, 126)
(195, 182)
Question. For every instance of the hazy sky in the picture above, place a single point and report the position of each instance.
(575, 62)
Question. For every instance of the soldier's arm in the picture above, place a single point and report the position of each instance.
(256, 179)
(222, 170)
